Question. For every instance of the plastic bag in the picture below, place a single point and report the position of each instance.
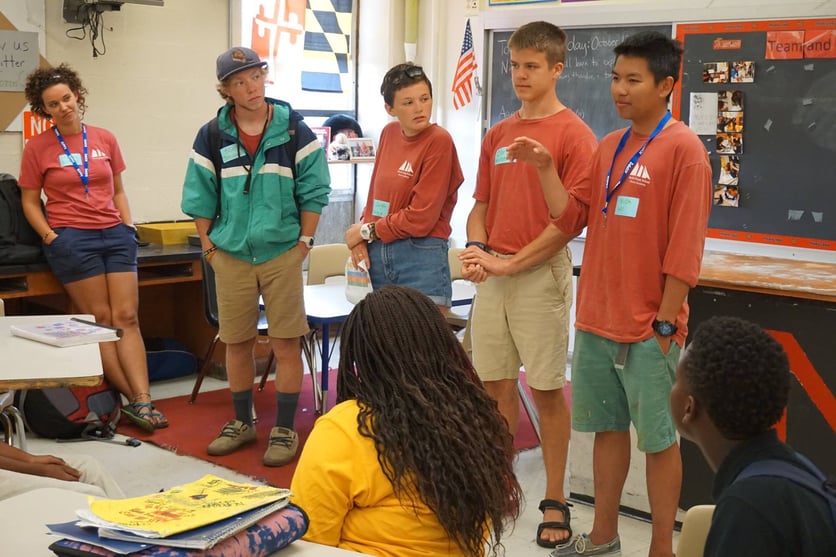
(357, 281)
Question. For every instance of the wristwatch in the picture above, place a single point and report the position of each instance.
(307, 240)
(664, 328)
(367, 232)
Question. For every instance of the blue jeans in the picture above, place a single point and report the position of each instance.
(420, 263)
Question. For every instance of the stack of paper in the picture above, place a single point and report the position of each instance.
(195, 516)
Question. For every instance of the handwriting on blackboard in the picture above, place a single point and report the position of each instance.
(584, 85)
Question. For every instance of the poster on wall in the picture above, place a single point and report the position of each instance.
(18, 57)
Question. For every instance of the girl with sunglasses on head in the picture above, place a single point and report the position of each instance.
(402, 236)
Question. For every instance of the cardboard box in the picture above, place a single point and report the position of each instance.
(166, 232)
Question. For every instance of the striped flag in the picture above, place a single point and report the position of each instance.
(465, 69)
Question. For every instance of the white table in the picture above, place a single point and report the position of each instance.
(327, 305)
(28, 364)
(26, 534)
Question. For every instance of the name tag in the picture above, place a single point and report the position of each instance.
(229, 153)
(64, 160)
(501, 156)
(627, 206)
(380, 208)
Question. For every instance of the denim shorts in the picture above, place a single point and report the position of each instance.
(608, 399)
(420, 263)
(78, 254)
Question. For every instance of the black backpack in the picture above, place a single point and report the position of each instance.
(809, 477)
(71, 412)
(19, 243)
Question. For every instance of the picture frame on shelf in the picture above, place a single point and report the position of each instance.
(323, 134)
(361, 148)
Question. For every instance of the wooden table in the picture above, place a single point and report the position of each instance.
(170, 299)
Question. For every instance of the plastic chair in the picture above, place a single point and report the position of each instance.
(326, 261)
(210, 312)
(694, 532)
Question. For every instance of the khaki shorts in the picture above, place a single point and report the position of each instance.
(238, 285)
(523, 319)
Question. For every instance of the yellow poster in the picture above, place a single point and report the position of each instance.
(185, 507)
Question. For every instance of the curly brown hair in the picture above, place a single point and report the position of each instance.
(439, 436)
(740, 373)
(43, 78)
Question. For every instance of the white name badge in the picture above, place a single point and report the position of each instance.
(64, 160)
(627, 206)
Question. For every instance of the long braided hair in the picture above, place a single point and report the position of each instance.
(439, 436)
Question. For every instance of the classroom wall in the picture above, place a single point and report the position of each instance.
(153, 88)
(466, 124)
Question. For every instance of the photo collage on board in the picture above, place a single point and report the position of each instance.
(730, 125)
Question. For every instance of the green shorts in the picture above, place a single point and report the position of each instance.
(607, 399)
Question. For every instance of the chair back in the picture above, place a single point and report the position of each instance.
(210, 300)
(325, 261)
(455, 264)
(694, 532)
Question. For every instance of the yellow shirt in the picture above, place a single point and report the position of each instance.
(349, 501)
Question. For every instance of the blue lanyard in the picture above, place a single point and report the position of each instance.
(631, 163)
(85, 176)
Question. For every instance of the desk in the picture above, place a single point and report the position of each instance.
(26, 534)
(326, 305)
(29, 364)
(170, 300)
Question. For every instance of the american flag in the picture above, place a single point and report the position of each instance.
(466, 67)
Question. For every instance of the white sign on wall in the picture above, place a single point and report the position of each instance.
(18, 57)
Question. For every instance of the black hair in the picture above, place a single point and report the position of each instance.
(400, 76)
(663, 54)
(739, 373)
(541, 36)
(439, 436)
(42, 79)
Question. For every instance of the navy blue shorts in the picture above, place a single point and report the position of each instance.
(77, 254)
(417, 262)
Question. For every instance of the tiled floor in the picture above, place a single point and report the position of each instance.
(147, 468)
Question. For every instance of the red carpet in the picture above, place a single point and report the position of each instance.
(194, 426)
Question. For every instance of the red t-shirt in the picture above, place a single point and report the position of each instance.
(656, 225)
(45, 165)
(414, 184)
(517, 210)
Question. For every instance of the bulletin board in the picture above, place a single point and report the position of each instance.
(770, 87)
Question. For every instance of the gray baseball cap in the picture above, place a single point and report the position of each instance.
(236, 59)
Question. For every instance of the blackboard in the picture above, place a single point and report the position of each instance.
(787, 194)
(584, 85)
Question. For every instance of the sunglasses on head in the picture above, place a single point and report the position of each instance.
(413, 71)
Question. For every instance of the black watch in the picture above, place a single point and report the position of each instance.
(664, 328)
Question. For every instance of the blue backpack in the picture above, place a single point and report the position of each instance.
(810, 477)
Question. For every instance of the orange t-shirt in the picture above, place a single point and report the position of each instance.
(517, 211)
(655, 226)
(414, 185)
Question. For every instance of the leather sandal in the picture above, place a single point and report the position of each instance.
(551, 524)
